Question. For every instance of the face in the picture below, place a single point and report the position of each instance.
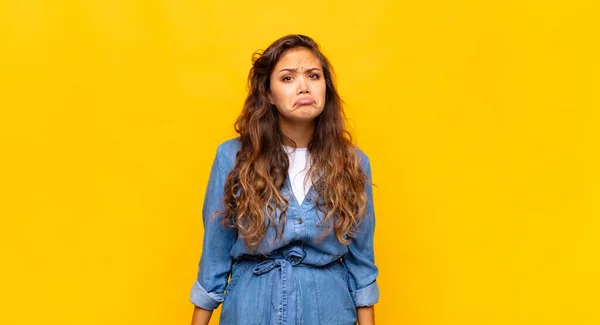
(298, 86)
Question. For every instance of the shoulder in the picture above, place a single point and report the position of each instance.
(363, 158)
(227, 151)
(229, 147)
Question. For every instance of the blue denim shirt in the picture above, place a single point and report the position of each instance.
(222, 246)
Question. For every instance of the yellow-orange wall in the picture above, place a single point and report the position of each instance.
(481, 119)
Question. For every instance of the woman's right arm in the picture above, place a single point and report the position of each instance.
(208, 291)
(201, 316)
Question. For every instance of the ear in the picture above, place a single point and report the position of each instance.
(270, 98)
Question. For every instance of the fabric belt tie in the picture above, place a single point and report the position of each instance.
(283, 288)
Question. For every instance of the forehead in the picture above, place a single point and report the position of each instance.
(298, 57)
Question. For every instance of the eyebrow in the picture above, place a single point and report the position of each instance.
(294, 69)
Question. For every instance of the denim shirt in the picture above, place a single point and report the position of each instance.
(222, 246)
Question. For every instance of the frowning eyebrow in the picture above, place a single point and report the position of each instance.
(295, 69)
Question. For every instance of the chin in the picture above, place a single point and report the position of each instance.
(302, 116)
(308, 115)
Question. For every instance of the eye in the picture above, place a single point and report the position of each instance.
(314, 76)
(287, 78)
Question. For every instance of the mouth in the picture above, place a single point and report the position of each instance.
(305, 101)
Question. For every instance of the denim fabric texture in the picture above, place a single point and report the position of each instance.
(298, 280)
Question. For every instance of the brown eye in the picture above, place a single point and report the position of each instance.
(287, 78)
(314, 76)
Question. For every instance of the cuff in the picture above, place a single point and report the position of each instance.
(366, 296)
(203, 299)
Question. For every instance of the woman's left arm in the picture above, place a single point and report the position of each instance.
(360, 259)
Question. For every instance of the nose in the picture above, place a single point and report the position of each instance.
(303, 86)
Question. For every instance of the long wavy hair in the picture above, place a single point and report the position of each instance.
(253, 199)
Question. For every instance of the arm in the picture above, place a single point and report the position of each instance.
(215, 263)
(360, 260)
(201, 316)
(366, 315)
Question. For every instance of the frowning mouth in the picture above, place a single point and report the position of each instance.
(305, 101)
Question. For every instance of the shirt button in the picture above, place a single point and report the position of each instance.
(299, 221)
(308, 199)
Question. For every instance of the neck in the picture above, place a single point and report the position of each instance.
(301, 133)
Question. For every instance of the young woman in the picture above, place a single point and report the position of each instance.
(288, 212)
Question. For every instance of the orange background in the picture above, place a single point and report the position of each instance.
(480, 118)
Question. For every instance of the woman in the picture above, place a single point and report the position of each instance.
(288, 211)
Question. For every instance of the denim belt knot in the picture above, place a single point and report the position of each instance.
(283, 288)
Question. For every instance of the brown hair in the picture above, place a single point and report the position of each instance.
(252, 189)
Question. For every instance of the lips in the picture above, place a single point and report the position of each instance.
(305, 101)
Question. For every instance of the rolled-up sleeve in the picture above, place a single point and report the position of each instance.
(215, 261)
(360, 259)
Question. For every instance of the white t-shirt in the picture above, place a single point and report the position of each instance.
(299, 165)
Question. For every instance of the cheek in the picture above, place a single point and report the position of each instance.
(322, 94)
(281, 94)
